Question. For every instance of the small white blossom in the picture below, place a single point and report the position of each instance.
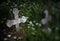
(33, 33)
(5, 39)
(9, 35)
(30, 22)
(49, 29)
(28, 26)
(21, 5)
(33, 28)
(14, 37)
(34, 21)
(37, 23)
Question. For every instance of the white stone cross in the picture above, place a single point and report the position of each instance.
(17, 20)
(47, 17)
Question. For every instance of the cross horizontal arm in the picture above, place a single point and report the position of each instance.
(16, 21)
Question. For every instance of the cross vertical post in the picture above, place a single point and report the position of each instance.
(16, 12)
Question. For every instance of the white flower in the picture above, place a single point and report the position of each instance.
(5, 39)
(37, 23)
(23, 19)
(15, 11)
(14, 37)
(33, 33)
(9, 35)
(33, 28)
(21, 5)
(30, 22)
(49, 29)
(34, 21)
(28, 26)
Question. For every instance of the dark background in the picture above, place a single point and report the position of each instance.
(30, 0)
